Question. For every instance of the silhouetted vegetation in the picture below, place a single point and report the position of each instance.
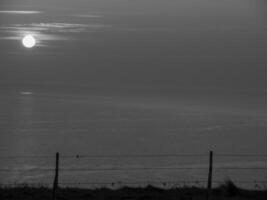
(225, 191)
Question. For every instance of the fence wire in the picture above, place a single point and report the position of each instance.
(13, 170)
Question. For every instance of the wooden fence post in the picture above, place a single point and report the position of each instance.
(55, 185)
(209, 186)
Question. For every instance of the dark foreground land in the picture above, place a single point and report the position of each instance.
(148, 193)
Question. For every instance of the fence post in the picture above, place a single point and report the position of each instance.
(55, 185)
(210, 175)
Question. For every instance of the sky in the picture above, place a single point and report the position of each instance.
(136, 45)
(204, 51)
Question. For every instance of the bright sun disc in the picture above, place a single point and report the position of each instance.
(28, 41)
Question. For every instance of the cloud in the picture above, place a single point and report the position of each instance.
(19, 12)
(52, 27)
(67, 27)
(88, 16)
(46, 31)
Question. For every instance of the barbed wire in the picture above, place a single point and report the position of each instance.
(240, 155)
(80, 156)
(156, 182)
(77, 170)
(125, 183)
(134, 169)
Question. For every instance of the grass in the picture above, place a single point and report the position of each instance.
(224, 192)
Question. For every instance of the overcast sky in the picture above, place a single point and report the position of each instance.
(189, 47)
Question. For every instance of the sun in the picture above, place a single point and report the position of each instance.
(29, 41)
